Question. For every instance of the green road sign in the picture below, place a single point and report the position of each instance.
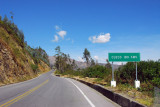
(124, 57)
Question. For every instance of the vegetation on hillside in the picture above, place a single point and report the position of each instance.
(19, 60)
(13, 30)
(37, 53)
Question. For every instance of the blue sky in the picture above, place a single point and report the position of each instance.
(101, 26)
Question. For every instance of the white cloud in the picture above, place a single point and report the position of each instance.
(62, 33)
(55, 38)
(80, 59)
(100, 59)
(96, 57)
(57, 27)
(102, 38)
(59, 34)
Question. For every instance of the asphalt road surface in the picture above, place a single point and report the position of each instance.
(48, 90)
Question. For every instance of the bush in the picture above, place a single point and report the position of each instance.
(57, 72)
(147, 86)
(148, 73)
(96, 71)
(34, 68)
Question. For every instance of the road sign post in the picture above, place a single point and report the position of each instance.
(113, 83)
(137, 82)
(136, 71)
(112, 73)
(124, 57)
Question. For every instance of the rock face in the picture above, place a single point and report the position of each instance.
(8, 65)
(15, 62)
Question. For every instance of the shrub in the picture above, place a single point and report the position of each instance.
(34, 68)
(147, 86)
(96, 71)
(148, 73)
(57, 72)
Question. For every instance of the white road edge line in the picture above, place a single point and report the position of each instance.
(92, 105)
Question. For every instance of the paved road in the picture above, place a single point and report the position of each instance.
(51, 91)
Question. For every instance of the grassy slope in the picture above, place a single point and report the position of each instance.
(18, 61)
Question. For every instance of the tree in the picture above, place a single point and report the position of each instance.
(0, 21)
(74, 66)
(92, 62)
(5, 20)
(69, 59)
(61, 60)
(58, 50)
(21, 35)
(15, 28)
(12, 16)
(57, 64)
(108, 65)
(86, 56)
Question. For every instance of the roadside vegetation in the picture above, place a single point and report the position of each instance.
(19, 61)
(148, 74)
(37, 54)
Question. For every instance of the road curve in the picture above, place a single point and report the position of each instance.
(48, 90)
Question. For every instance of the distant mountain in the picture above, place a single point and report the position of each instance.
(52, 60)
(115, 66)
(81, 65)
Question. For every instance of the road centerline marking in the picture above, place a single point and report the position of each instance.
(22, 95)
(89, 101)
